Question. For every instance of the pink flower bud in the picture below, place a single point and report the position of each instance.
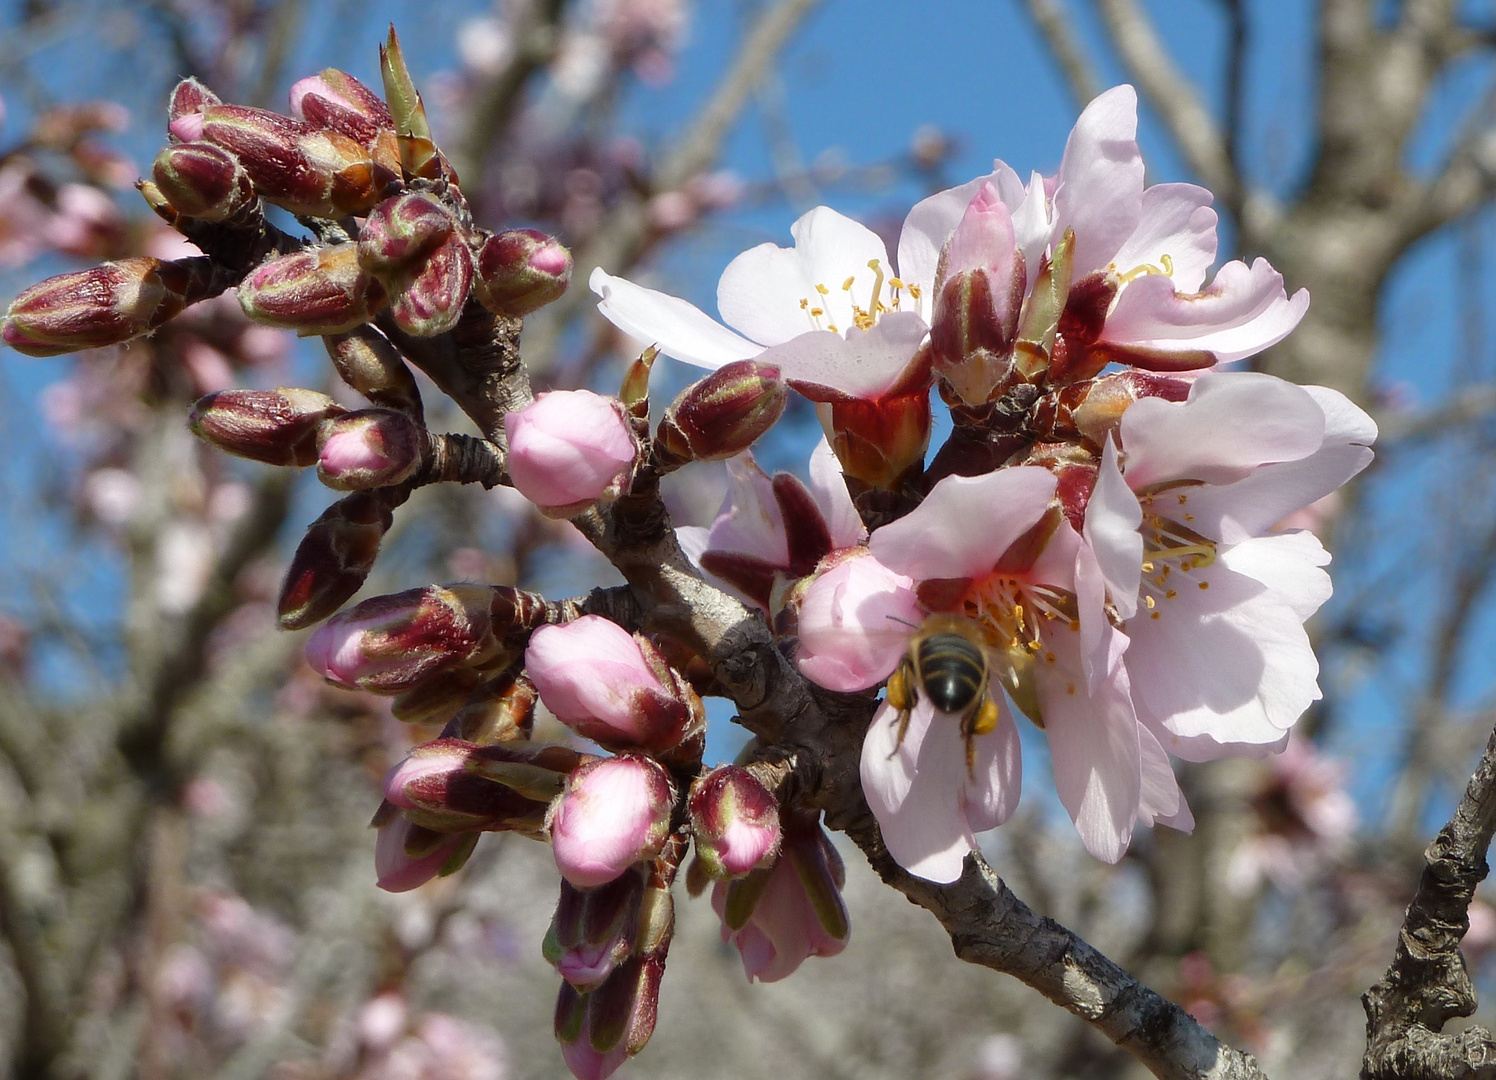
(104, 305)
(520, 271)
(609, 686)
(403, 230)
(333, 559)
(316, 291)
(199, 180)
(389, 644)
(567, 448)
(278, 427)
(438, 789)
(724, 413)
(593, 930)
(337, 101)
(613, 814)
(189, 97)
(368, 363)
(601, 1029)
(407, 856)
(427, 299)
(368, 449)
(735, 820)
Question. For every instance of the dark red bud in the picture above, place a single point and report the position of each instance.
(278, 427)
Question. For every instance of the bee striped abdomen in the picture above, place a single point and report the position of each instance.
(952, 670)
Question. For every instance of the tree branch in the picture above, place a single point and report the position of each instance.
(1053, 23)
(1427, 984)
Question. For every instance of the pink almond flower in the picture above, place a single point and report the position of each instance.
(567, 449)
(1219, 661)
(828, 312)
(772, 531)
(1141, 257)
(1049, 646)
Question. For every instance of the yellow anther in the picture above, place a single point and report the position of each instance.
(823, 290)
(1150, 602)
(914, 291)
(804, 303)
(817, 312)
(847, 285)
(893, 282)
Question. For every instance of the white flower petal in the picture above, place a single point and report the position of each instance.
(749, 521)
(1230, 423)
(864, 364)
(1113, 517)
(1032, 226)
(1162, 803)
(965, 523)
(1176, 221)
(680, 329)
(1099, 189)
(829, 489)
(1242, 312)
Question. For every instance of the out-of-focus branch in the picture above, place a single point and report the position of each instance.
(1427, 984)
(536, 33)
(1400, 432)
(1236, 83)
(1468, 177)
(1174, 98)
(1053, 22)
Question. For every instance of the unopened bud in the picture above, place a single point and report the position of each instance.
(333, 559)
(438, 790)
(368, 363)
(402, 231)
(202, 181)
(368, 449)
(621, 1017)
(521, 270)
(278, 427)
(293, 165)
(723, 414)
(610, 686)
(428, 299)
(501, 710)
(336, 101)
(315, 291)
(189, 97)
(435, 700)
(593, 930)
(407, 856)
(879, 442)
(735, 821)
(567, 449)
(613, 814)
(104, 305)
(389, 644)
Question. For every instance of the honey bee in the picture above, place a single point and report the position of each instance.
(947, 661)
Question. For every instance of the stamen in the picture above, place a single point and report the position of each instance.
(1165, 270)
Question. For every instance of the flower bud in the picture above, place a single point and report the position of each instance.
(428, 299)
(735, 821)
(778, 917)
(573, 1032)
(201, 181)
(613, 814)
(368, 449)
(407, 856)
(293, 165)
(437, 790)
(402, 231)
(314, 291)
(368, 363)
(567, 449)
(610, 686)
(538, 771)
(189, 97)
(1093, 409)
(334, 557)
(435, 700)
(278, 427)
(879, 442)
(520, 271)
(336, 101)
(593, 930)
(501, 710)
(1040, 319)
(599, 1030)
(104, 305)
(389, 644)
(722, 414)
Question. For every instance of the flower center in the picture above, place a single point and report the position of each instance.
(1014, 617)
(816, 308)
(1172, 551)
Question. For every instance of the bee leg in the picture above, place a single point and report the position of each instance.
(980, 722)
(899, 697)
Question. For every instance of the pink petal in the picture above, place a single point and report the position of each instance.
(1099, 187)
(1113, 517)
(855, 622)
(965, 524)
(1176, 221)
(829, 489)
(863, 364)
(1242, 312)
(1230, 423)
(749, 521)
(680, 329)
(1161, 802)
(1031, 226)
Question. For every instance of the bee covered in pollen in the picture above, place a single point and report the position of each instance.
(947, 662)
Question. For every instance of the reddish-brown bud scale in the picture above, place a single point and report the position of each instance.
(368, 363)
(878, 442)
(336, 101)
(202, 181)
(1091, 410)
(294, 165)
(333, 559)
(315, 291)
(723, 414)
(187, 97)
(104, 305)
(403, 231)
(430, 300)
(278, 427)
(500, 710)
(970, 343)
(435, 700)
(369, 448)
(521, 270)
(1074, 357)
